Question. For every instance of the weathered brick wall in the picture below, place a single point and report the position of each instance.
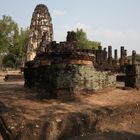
(132, 76)
(63, 81)
(85, 77)
(138, 76)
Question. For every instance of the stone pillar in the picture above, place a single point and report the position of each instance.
(100, 55)
(97, 58)
(122, 56)
(125, 57)
(122, 50)
(71, 36)
(115, 60)
(110, 55)
(115, 54)
(125, 53)
(105, 55)
(132, 74)
(133, 57)
(109, 51)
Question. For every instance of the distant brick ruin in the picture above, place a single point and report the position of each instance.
(60, 70)
(41, 30)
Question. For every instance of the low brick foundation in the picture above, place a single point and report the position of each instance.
(64, 80)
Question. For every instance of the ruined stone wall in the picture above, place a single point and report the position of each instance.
(138, 77)
(64, 81)
(132, 76)
(41, 30)
(60, 70)
(84, 78)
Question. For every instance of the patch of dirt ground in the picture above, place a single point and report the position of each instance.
(109, 114)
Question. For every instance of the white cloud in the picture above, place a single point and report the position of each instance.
(107, 36)
(77, 25)
(58, 13)
(109, 33)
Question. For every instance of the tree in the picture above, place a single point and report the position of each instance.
(9, 60)
(8, 31)
(83, 42)
(12, 42)
(23, 40)
(17, 51)
(19, 47)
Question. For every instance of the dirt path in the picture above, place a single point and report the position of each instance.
(110, 110)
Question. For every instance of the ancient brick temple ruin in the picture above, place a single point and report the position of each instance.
(60, 70)
(41, 27)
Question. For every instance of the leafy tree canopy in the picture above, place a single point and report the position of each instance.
(12, 42)
(8, 31)
(83, 42)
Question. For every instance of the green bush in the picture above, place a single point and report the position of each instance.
(10, 61)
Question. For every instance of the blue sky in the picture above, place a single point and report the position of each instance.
(112, 22)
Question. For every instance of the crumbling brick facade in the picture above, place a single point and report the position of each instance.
(41, 30)
(132, 78)
(64, 69)
(60, 70)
